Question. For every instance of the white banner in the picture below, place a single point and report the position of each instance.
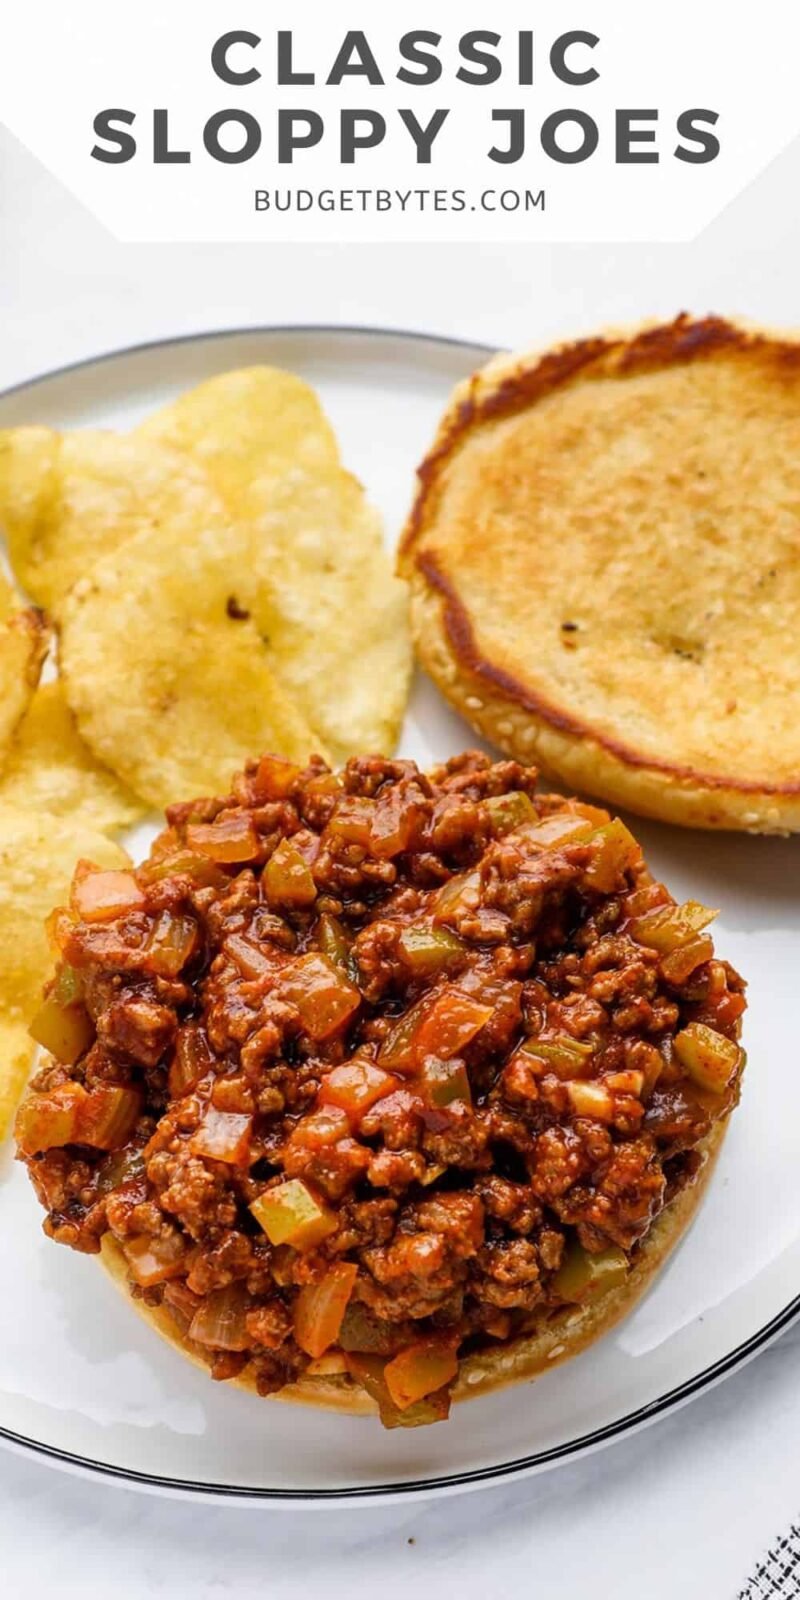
(338, 120)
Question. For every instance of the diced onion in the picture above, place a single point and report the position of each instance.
(352, 820)
(220, 1320)
(288, 879)
(355, 1086)
(324, 998)
(419, 1370)
(192, 1060)
(48, 1121)
(155, 1260)
(172, 943)
(590, 1100)
(275, 778)
(450, 1024)
(65, 1030)
(108, 1116)
(251, 961)
(461, 893)
(563, 827)
(103, 896)
(445, 1081)
(231, 838)
(224, 1136)
(616, 851)
(320, 1307)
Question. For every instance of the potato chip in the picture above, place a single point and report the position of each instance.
(67, 499)
(245, 426)
(24, 638)
(9, 600)
(37, 859)
(320, 588)
(170, 685)
(317, 580)
(16, 1060)
(49, 768)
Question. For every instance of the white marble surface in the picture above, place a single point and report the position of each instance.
(685, 1507)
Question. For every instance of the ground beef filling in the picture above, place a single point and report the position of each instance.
(366, 1071)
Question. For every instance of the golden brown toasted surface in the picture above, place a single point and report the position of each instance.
(605, 558)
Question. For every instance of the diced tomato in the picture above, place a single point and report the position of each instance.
(320, 1308)
(103, 896)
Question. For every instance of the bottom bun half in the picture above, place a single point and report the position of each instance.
(565, 1334)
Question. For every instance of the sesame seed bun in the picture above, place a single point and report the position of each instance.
(604, 560)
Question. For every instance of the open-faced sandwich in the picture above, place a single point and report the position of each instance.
(381, 1087)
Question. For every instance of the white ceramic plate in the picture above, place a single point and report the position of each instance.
(85, 1383)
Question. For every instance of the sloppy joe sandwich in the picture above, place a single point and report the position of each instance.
(604, 557)
(381, 1087)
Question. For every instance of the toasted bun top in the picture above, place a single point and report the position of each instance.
(613, 528)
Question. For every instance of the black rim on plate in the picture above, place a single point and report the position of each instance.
(454, 1480)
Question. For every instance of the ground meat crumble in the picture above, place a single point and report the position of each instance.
(421, 1007)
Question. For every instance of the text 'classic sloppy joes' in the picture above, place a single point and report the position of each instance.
(381, 1084)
